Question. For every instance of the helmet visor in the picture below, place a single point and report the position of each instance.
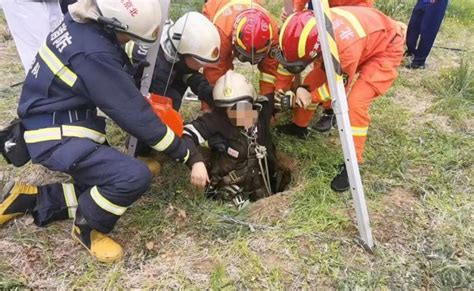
(244, 57)
(292, 67)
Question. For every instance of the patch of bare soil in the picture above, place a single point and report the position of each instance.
(391, 218)
(270, 210)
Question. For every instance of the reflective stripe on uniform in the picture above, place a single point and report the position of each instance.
(282, 71)
(186, 157)
(351, 19)
(83, 132)
(304, 37)
(193, 130)
(232, 3)
(359, 131)
(105, 204)
(312, 106)
(129, 49)
(56, 133)
(267, 78)
(165, 141)
(56, 66)
(44, 134)
(70, 198)
(324, 93)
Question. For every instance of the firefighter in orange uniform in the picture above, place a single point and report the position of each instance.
(369, 43)
(299, 5)
(250, 34)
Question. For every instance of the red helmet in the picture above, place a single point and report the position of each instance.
(299, 41)
(253, 35)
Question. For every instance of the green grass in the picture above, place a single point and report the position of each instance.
(455, 88)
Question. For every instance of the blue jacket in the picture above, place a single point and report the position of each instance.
(82, 66)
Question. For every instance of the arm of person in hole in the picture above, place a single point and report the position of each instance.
(112, 90)
(196, 133)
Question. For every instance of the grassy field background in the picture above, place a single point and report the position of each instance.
(418, 179)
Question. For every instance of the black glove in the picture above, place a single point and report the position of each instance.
(194, 82)
(284, 100)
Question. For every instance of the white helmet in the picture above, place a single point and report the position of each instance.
(139, 18)
(232, 88)
(191, 35)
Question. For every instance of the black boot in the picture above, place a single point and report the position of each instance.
(326, 122)
(340, 183)
(100, 246)
(294, 130)
(415, 66)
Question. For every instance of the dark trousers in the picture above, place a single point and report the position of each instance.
(106, 182)
(423, 27)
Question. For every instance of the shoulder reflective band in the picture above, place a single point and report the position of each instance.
(359, 131)
(70, 198)
(232, 3)
(54, 133)
(264, 77)
(165, 141)
(351, 19)
(129, 49)
(105, 204)
(56, 66)
(83, 132)
(304, 37)
(40, 135)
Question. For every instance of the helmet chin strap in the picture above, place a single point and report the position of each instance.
(175, 56)
(170, 52)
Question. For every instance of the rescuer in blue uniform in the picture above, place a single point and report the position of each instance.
(423, 27)
(81, 67)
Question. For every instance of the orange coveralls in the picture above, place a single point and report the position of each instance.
(223, 14)
(369, 43)
(299, 5)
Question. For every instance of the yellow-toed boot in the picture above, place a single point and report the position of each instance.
(100, 246)
(16, 199)
(153, 165)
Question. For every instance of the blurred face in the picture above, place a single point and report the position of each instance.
(243, 115)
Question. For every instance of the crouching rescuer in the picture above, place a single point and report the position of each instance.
(370, 46)
(81, 67)
(242, 166)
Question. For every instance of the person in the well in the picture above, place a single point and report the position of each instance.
(82, 67)
(370, 45)
(243, 166)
